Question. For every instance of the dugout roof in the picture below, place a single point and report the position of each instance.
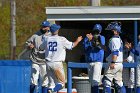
(93, 13)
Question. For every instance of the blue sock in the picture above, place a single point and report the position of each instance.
(32, 88)
(95, 89)
(44, 90)
(129, 90)
(57, 87)
(121, 90)
(138, 90)
(107, 90)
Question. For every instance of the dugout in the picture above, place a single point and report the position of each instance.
(77, 21)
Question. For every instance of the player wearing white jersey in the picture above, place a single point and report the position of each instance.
(128, 73)
(138, 68)
(55, 54)
(137, 53)
(37, 57)
(115, 59)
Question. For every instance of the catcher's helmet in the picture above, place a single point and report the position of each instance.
(45, 24)
(114, 26)
(97, 27)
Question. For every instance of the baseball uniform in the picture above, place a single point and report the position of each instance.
(94, 55)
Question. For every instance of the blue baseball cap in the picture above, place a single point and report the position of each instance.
(45, 24)
(54, 27)
(97, 27)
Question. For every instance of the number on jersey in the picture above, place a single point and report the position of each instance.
(52, 46)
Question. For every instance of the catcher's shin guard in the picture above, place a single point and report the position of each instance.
(95, 89)
(32, 88)
(138, 90)
(44, 90)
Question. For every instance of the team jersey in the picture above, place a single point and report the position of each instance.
(37, 55)
(94, 54)
(55, 48)
(115, 46)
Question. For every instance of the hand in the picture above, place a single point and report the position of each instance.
(77, 41)
(89, 36)
(79, 38)
(31, 46)
(128, 45)
(112, 65)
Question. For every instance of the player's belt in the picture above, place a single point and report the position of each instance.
(53, 61)
(120, 62)
(116, 62)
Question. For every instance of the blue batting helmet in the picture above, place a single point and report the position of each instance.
(54, 27)
(97, 27)
(45, 24)
(114, 26)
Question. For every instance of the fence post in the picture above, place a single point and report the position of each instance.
(69, 82)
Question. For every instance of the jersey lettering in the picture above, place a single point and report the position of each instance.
(52, 46)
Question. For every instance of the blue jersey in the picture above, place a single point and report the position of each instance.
(92, 53)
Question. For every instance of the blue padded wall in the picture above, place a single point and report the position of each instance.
(15, 76)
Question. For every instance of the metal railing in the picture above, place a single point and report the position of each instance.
(74, 65)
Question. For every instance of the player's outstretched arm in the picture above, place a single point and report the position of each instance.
(77, 41)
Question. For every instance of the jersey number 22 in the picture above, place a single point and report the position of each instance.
(52, 46)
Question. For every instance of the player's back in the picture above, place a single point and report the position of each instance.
(56, 48)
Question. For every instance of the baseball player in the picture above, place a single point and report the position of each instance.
(133, 52)
(37, 57)
(55, 54)
(138, 66)
(115, 59)
(129, 82)
(94, 52)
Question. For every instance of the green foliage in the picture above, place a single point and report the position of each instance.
(4, 30)
(120, 2)
(29, 15)
(67, 2)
